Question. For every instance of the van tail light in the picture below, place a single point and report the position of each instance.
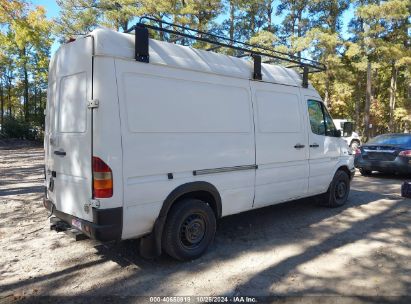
(102, 179)
(357, 151)
(406, 153)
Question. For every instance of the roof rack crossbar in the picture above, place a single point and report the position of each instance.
(232, 41)
(213, 48)
(175, 39)
(245, 49)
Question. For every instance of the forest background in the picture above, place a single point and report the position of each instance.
(365, 45)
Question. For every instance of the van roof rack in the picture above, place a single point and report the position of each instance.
(243, 49)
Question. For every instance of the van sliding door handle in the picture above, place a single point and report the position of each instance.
(314, 145)
(299, 146)
(60, 153)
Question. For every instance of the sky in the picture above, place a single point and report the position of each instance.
(50, 5)
(53, 10)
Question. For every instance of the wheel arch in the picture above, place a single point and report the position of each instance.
(150, 245)
(200, 190)
(345, 169)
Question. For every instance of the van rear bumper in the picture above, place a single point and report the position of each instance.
(106, 226)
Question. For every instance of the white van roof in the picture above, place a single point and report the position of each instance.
(111, 43)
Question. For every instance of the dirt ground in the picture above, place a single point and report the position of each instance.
(296, 248)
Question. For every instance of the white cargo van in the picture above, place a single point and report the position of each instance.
(153, 140)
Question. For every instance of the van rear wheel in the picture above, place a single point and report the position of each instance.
(338, 191)
(190, 228)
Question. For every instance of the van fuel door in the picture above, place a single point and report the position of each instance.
(91, 203)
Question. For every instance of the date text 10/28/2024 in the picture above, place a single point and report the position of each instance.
(234, 299)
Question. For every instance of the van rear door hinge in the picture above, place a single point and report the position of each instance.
(93, 103)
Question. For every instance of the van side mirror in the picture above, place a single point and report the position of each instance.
(348, 128)
(337, 133)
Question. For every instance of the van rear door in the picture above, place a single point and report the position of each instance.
(69, 134)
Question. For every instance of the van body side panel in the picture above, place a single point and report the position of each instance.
(281, 144)
(178, 121)
(106, 126)
(68, 139)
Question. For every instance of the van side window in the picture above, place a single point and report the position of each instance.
(329, 123)
(320, 120)
(316, 117)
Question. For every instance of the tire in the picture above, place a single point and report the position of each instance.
(354, 145)
(365, 172)
(338, 192)
(189, 229)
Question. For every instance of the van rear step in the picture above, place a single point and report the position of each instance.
(59, 225)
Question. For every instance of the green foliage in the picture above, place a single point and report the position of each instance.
(25, 41)
(18, 128)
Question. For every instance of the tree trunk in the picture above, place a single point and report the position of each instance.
(367, 103)
(357, 104)
(162, 37)
(124, 25)
(232, 17)
(26, 94)
(252, 24)
(2, 104)
(299, 30)
(9, 96)
(292, 32)
(35, 102)
(393, 91)
(327, 92)
(269, 13)
(26, 88)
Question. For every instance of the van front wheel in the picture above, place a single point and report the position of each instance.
(338, 191)
(190, 228)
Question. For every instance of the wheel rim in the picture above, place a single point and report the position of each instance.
(340, 189)
(192, 231)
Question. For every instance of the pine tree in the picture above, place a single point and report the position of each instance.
(295, 23)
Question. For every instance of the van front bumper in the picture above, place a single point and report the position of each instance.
(106, 226)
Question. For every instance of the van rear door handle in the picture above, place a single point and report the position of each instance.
(60, 153)
(314, 145)
(299, 146)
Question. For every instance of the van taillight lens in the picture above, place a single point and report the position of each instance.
(102, 179)
(406, 153)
